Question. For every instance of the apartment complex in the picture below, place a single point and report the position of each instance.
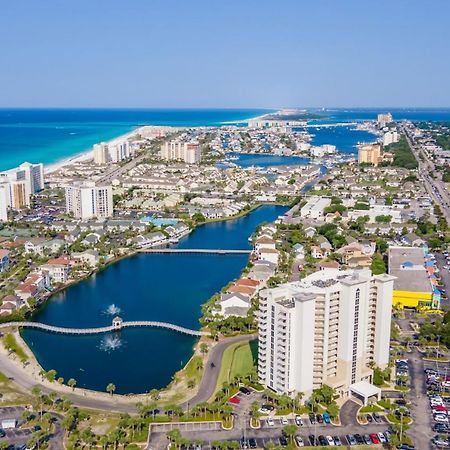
(86, 200)
(17, 185)
(369, 153)
(177, 150)
(390, 137)
(324, 329)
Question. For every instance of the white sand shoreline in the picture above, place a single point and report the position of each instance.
(85, 155)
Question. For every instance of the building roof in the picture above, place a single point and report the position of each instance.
(365, 389)
(407, 264)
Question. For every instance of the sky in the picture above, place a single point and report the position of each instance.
(224, 53)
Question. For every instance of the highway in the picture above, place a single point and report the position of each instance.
(435, 186)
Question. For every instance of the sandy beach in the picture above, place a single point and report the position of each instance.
(87, 154)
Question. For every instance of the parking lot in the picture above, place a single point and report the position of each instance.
(206, 434)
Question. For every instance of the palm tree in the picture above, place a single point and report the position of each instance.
(72, 383)
(290, 431)
(110, 388)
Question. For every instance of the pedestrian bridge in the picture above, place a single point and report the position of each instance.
(117, 325)
(195, 250)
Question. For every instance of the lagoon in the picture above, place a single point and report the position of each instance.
(166, 287)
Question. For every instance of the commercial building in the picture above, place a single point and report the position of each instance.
(369, 154)
(314, 207)
(325, 329)
(177, 150)
(86, 200)
(5, 201)
(413, 271)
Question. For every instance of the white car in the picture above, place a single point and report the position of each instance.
(382, 437)
(330, 440)
(298, 421)
(284, 421)
(270, 422)
(440, 418)
(299, 441)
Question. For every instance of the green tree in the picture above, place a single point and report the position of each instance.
(378, 266)
(290, 431)
(111, 388)
(72, 383)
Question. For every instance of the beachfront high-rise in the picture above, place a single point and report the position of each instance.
(86, 200)
(178, 150)
(112, 152)
(327, 328)
(18, 184)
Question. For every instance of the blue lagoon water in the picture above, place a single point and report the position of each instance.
(165, 287)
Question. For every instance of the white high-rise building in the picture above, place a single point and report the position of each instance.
(177, 150)
(390, 137)
(101, 155)
(114, 152)
(5, 201)
(86, 200)
(325, 329)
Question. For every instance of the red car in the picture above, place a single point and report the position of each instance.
(234, 400)
(375, 439)
(440, 408)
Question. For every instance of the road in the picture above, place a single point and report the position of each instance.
(434, 186)
(212, 369)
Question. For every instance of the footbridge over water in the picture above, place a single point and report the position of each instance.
(218, 251)
(117, 324)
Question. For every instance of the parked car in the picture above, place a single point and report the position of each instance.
(326, 418)
(312, 419)
(382, 438)
(319, 418)
(283, 441)
(245, 390)
(299, 441)
(351, 439)
(284, 420)
(376, 417)
(266, 409)
(374, 438)
(270, 422)
(369, 418)
(330, 440)
(312, 440)
(323, 440)
(337, 440)
(366, 439)
(252, 442)
(298, 421)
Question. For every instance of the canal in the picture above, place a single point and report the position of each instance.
(162, 287)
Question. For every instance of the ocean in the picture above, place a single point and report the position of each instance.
(50, 135)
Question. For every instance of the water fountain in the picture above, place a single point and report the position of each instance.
(110, 343)
(113, 310)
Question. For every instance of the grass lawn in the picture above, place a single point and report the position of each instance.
(10, 343)
(238, 359)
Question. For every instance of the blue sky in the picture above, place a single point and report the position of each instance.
(233, 53)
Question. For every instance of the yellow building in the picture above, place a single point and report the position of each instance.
(412, 286)
(369, 153)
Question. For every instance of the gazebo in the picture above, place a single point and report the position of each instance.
(117, 323)
(364, 390)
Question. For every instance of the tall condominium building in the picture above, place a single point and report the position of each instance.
(384, 119)
(114, 152)
(5, 201)
(390, 137)
(176, 150)
(101, 153)
(324, 329)
(86, 200)
(369, 153)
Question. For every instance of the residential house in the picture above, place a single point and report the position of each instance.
(268, 254)
(10, 303)
(234, 304)
(89, 257)
(412, 240)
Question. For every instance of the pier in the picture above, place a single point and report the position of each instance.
(217, 251)
(117, 324)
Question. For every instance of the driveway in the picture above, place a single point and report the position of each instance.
(212, 369)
